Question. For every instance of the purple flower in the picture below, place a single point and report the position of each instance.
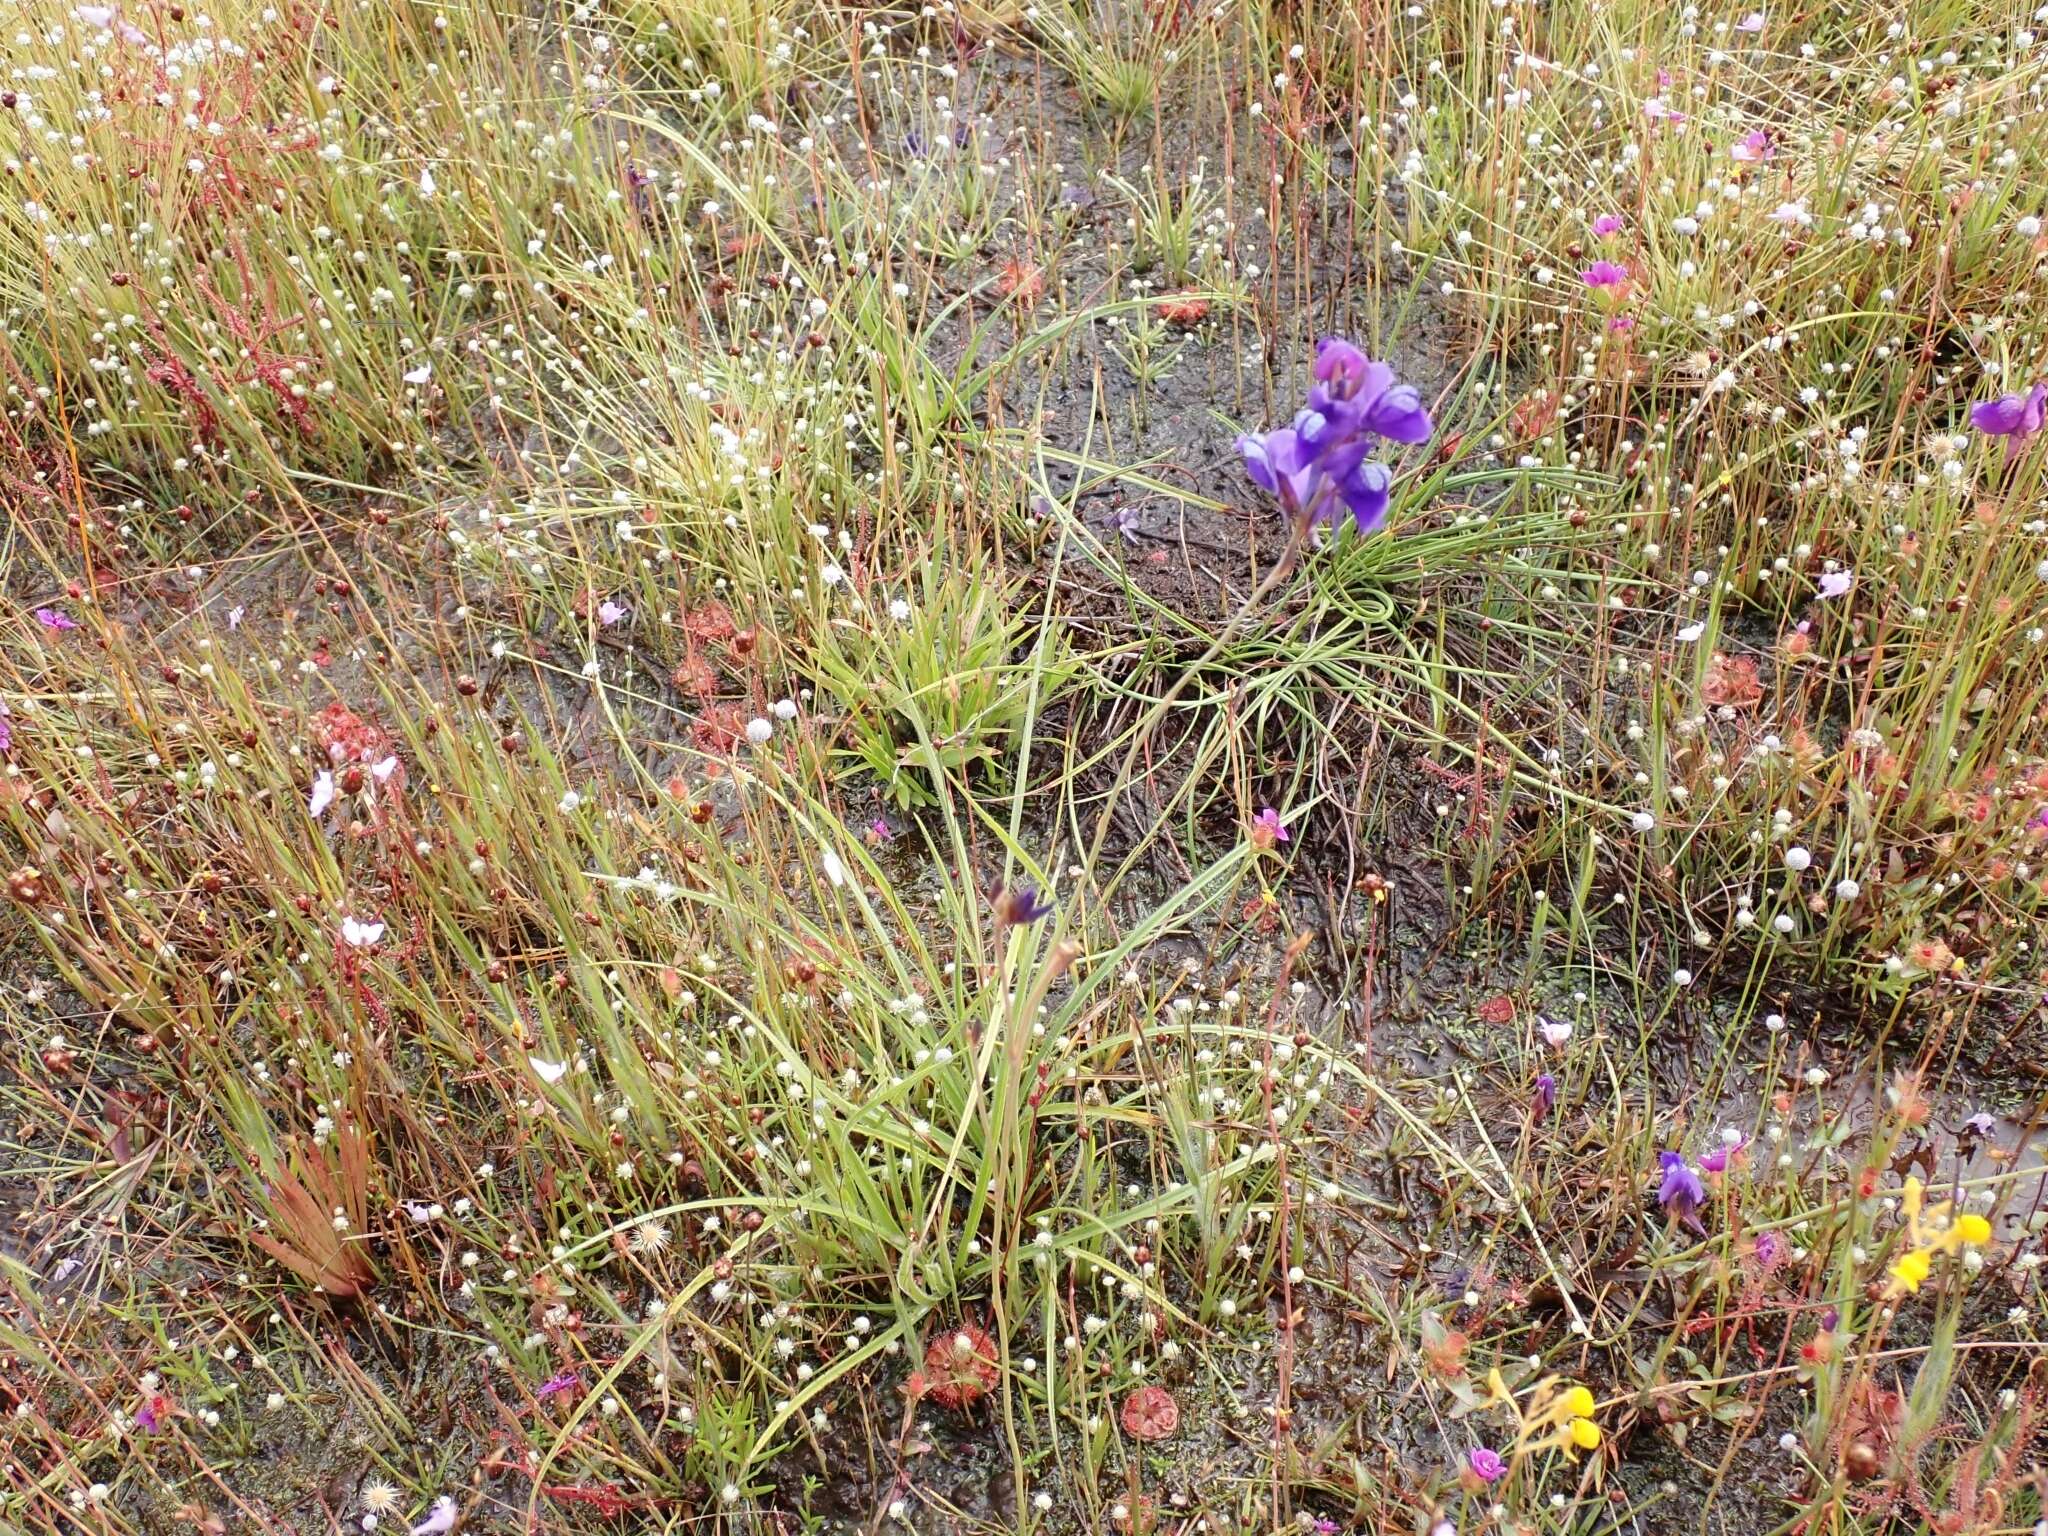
(1607, 224)
(1485, 1463)
(1266, 828)
(1681, 1193)
(1605, 274)
(1016, 905)
(1982, 1125)
(1354, 394)
(1278, 461)
(149, 1418)
(2015, 416)
(1836, 583)
(6, 731)
(1545, 1097)
(1770, 1250)
(560, 1382)
(1317, 465)
(440, 1519)
(609, 612)
(56, 618)
(1753, 22)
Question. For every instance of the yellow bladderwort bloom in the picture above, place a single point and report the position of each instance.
(1912, 1269)
(1917, 1263)
(1973, 1231)
(1585, 1434)
(1574, 1402)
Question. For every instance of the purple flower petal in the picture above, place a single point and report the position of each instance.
(54, 618)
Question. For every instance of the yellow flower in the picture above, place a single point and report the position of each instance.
(1909, 1202)
(1973, 1230)
(1497, 1389)
(1572, 1403)
(1912, 1269)
(1585, 1434)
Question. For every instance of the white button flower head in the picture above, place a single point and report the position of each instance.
(1798, 860)
(758, 732)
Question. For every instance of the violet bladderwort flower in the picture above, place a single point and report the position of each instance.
(1318, 464)
(2015, 417)
(1681, 1192)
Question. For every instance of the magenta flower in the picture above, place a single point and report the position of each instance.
(1681, 1193)
(1605, 274)
(6, 731)
(2015, 416)
(1607, 224)
(1485, 1463)
(1770, 1250)
(560, 1382)
(2039, 823)
(1752, 148)
(1266, 828)
(1717, 1160)
(55, 618)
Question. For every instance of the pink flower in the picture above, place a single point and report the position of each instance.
(1836, 583)
(440, 1519)
(359, 934)
(1605, 274)
(322, 795)
(560, 1382)
(1485, 1463)
(1753, 22)
(1752, 148)
(1607, 224)
(609, 612)
(1266, 829)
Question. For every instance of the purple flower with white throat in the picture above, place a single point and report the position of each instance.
(2016, 417)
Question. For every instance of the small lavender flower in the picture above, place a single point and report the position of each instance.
(1681, 1193)
(1485, 1463)
(55, 618)
(2014, 416)
(1545, 1097)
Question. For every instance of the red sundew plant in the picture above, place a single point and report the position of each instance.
(959, 1368)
